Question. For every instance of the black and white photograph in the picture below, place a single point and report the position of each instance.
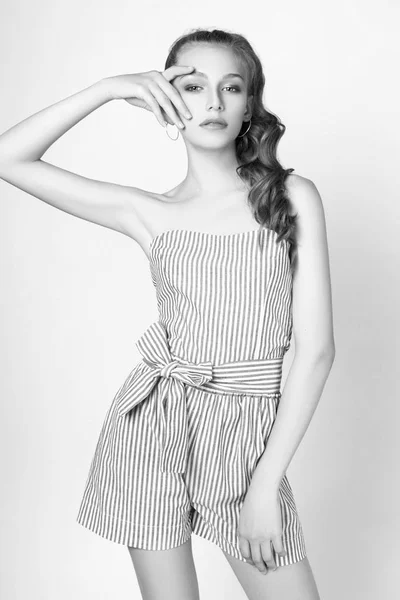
(199, 268)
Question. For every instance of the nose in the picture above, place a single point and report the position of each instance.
(214, 101)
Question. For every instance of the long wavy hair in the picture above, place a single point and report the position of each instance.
(256, 151)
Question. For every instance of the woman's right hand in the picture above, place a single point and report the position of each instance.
(152, 91)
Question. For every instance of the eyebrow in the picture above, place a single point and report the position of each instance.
(227, 76)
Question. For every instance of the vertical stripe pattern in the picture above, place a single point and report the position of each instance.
(186, 429)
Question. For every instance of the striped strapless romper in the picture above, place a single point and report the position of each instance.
(188, 426)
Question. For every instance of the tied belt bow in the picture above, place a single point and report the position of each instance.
(158, 366)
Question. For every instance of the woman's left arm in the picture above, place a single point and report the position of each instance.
(313, 334)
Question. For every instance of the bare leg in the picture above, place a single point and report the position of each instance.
(290, 582)
(166, 574)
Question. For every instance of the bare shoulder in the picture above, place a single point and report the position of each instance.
(146, 210)
(305, 202)
(302, 193)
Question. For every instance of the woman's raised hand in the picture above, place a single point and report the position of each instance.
(153, 91)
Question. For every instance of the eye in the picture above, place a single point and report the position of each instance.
(189, 87)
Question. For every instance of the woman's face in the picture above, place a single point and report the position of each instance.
(212, 91)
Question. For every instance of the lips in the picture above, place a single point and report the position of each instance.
(214, 126)
(216, 122)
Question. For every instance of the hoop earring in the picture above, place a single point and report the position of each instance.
(246, 130)
(166, 129)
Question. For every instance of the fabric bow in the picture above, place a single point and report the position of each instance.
(157, 366)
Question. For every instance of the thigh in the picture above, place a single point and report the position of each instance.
(166, 574)
(290, 582)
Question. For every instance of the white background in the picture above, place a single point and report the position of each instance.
(76, 296)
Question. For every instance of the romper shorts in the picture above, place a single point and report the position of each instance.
(177, 451)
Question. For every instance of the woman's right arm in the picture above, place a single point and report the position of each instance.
(22, 146)
(107, 204)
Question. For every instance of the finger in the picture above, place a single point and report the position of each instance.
(266, 553)
(167, 118)
(174, 95)
(154, 106)
(176, 70)
(165, 102)
(257, 557)
(278, 545)
(244, 547)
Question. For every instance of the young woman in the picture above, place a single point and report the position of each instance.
(199, 436)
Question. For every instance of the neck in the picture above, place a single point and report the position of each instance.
(211, 173)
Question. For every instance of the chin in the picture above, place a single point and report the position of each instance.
(212, 139)
(213, 143)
